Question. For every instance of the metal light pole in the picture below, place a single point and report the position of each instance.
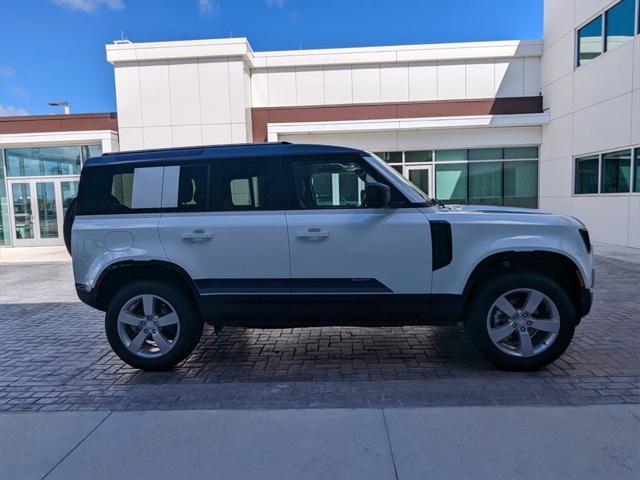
(64, 104)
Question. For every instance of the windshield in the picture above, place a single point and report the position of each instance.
(392, 171)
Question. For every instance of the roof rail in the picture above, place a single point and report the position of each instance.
(199, 147)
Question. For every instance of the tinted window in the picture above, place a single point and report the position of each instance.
(616, 172)
(244, 184)
(334, 182)
(42, 161)
(619, 23)
(586, 174)
(390, 157)
(105, 190)
(636, 188)
(193, 187)
(590, 41)
(521, 184)
(485, 183)
(451, 182)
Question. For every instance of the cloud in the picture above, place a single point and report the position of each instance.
(11, 111)
(88, 6)
(208, 8)
(6, 71)
(276, 3)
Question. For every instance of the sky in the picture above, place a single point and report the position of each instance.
(55, 49)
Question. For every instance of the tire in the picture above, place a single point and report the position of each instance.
(69, 217)
(173, 319)
(523, 347)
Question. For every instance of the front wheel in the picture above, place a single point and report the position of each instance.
(152, 326)
(521, 321)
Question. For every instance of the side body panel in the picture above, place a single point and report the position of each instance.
(239, 261)
(479, 235)
(99, 241)
(364, 263)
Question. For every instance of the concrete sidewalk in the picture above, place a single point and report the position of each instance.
(452, 443)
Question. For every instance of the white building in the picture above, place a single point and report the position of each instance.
(553, 123)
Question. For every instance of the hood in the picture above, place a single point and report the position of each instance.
(494, 209)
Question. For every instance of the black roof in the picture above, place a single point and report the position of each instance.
(215, 151)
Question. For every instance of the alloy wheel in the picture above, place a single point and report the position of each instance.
(148, 326)
(523, 322)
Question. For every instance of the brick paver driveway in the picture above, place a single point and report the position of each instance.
(54, 356)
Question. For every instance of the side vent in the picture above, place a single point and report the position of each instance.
(441, 243)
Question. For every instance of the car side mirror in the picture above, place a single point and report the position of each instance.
(377, 195)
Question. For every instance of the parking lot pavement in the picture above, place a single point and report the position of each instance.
(54, 356)
(591, 442)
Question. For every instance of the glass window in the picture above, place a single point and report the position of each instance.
(5, 233)
(586, 178)
(619, 24)
(89, 151)
(32, 162)
(590, 41)
(521, 184)
(47, 210)
(69, 192)
(122, 189)
(328, 183)
(616, 172)
(485, 154)
(390, 157)
(193, 188)
(241, 184)
(636, 187)
(424, 156)
(485, 183)
(451, 182)
(517, 153)
(451, 155)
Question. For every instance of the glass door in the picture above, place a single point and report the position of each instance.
(420, 176)
(37, 212)
(22, 208)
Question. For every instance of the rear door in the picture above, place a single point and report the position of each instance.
(223, 222)
(351, 263)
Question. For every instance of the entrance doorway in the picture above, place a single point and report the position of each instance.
(37, 208)
(421, 176)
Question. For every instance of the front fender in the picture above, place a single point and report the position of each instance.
(472, 245)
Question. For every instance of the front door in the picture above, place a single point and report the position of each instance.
(36, 212)
(350, 262)
(421, 177)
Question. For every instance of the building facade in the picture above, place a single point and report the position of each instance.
(40, 162)
(551, 124)
(590, 152)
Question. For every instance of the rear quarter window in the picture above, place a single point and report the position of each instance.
(109, 190)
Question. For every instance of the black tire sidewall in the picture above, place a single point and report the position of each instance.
(189, 318)
(476, 319)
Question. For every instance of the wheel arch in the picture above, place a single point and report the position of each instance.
(557, 266)
(113, 277)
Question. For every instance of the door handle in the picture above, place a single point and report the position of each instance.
(197, 236)
(313, 233)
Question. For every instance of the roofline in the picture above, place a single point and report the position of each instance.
(241, 49)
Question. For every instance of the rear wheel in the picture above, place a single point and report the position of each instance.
(521, 321)
(152, 326)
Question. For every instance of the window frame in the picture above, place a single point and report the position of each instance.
(600, 156)
(603, 36)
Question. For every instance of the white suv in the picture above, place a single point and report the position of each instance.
(281, 235)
